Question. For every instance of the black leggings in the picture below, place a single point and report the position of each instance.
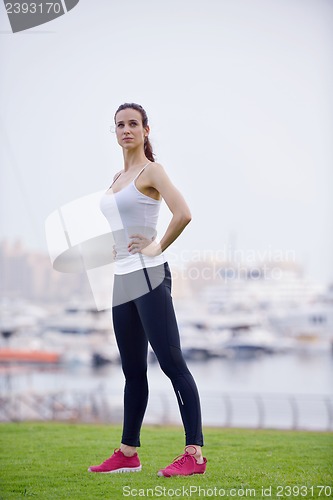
(151, 317)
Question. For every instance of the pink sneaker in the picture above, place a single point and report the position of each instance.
(184, 465)
(118, 462)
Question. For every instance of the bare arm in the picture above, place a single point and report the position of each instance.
(157, 178)
(181, 214)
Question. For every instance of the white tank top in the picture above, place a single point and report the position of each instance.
(129, 211)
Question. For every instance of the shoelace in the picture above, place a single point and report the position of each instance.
(110, 458)
(180, 460)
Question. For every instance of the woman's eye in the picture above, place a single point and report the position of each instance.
(132, 124)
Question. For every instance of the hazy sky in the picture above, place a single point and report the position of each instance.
(239, 96)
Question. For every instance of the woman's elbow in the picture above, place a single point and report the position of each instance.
(186, 218)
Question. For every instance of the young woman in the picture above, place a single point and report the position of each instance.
(142, 308)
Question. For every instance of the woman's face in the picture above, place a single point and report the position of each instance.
(129, 129)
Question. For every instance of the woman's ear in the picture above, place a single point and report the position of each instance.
(147, 130)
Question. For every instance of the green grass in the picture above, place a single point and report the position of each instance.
(49, 461)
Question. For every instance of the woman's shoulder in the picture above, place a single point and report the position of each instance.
(153, 164)
(156, 176)
(117, 175)
(154, 167)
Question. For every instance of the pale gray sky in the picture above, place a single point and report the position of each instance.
(239, 97)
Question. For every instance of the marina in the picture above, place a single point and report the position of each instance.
(281, 391)
(265, 364)
(259, 346)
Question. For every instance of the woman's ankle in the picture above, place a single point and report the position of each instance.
(127, 450)
(195, 451)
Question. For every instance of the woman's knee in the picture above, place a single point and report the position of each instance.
(174, 364)
(133, 373)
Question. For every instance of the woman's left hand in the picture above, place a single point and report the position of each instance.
(140, 244)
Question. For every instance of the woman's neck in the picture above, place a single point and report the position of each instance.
(133, 160)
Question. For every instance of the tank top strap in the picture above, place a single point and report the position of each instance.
(114, 180)
(135, 178)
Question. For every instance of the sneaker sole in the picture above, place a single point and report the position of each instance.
(160, 474)
(116, 471)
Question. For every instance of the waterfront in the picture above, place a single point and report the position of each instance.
(260, 351)
(281, 391)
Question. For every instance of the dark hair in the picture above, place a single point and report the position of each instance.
(147, 146)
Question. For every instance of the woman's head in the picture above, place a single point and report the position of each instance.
(140, 115)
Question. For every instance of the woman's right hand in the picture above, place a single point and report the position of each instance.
(114, 252)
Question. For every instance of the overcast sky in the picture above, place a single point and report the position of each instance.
(239, 96)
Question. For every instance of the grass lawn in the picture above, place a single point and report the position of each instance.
(50, 461)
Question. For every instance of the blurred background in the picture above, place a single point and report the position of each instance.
(238, 94)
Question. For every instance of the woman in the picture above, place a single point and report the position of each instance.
(142, 308)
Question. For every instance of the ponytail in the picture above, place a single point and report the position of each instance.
(149, 150)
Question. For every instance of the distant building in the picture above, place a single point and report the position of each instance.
(29, 274)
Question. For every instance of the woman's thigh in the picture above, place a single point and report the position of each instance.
(160, 324)
(131, 338)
